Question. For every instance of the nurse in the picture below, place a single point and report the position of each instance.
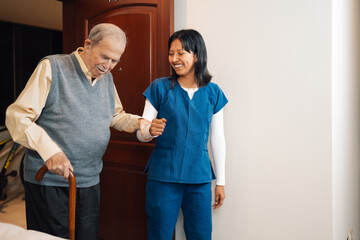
(184, 108)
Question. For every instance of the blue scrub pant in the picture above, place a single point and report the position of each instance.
(163, 203)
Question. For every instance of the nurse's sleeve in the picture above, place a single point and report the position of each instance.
(149, 114)
(217, 143)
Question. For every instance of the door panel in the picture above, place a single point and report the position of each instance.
(148, 25)
(136, 68)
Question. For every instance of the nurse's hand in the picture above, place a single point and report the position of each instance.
(157, 126)
(219, 196)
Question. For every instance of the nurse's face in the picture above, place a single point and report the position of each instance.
(181, 61)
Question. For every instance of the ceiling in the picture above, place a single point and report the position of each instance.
(39, 13)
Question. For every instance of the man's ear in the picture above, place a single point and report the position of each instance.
(87, 43)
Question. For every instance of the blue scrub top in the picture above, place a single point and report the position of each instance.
(181, 154)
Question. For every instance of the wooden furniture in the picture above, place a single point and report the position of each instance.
(148, 25)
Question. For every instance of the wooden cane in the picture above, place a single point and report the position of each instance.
(72, 198)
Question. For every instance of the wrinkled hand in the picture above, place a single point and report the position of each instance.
(157, 126)
(60, 165)
(142, 124)
(219, 196)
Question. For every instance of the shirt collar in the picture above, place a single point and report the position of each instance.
(82, 64)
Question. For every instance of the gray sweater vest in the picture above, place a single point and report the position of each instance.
(77, 117)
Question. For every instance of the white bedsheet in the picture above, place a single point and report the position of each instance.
(13, 232)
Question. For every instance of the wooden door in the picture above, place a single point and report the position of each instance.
(148, 25)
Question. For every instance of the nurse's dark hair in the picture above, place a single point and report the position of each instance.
(192, 41)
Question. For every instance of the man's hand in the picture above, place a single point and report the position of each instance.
(157, 126)
(60, 165)
(219, 196)
(142, 124)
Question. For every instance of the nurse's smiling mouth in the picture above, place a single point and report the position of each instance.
(178, 65)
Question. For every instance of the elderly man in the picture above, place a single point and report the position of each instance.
(63, 117)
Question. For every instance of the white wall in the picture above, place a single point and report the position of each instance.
(273, 59)
(345, 115)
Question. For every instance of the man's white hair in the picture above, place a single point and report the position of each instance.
(102, 30)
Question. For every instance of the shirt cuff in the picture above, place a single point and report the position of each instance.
(220, 180)
(218, 183)
(48, 150)
(134, 123)
(147, 132)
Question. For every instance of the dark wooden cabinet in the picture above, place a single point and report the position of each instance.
(148, 24)
(7, 91)
(22, 48)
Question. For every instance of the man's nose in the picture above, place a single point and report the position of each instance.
(107, 64)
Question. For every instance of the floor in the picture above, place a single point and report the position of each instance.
(12, 209)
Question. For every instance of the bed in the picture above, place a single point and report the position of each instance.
(13, 232)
